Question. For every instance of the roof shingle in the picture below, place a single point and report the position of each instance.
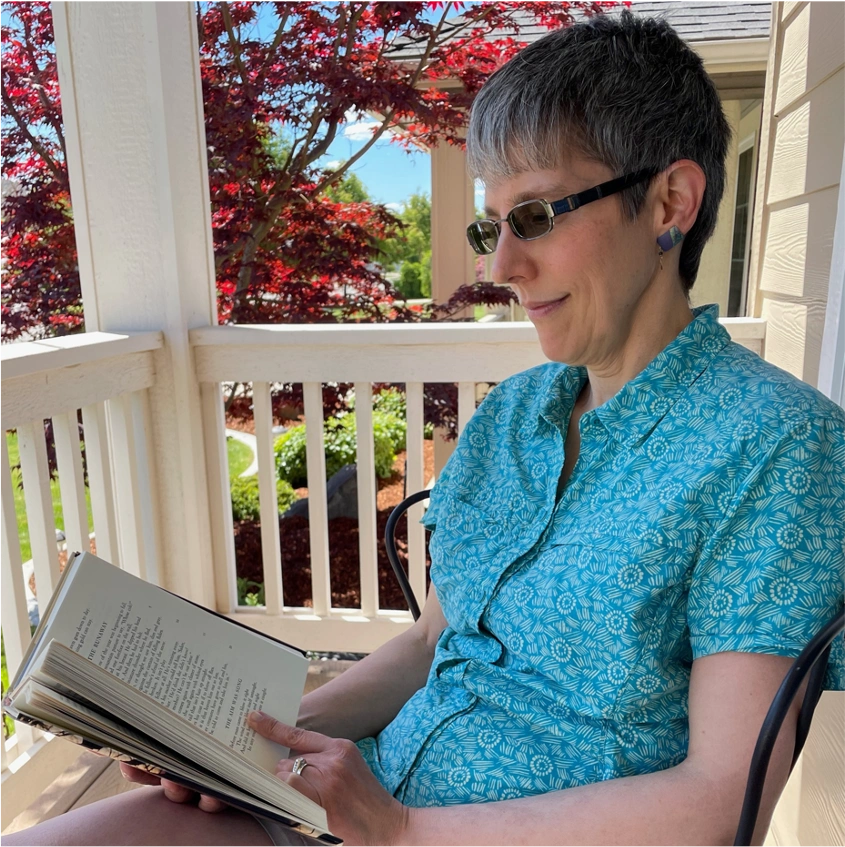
(709, 21)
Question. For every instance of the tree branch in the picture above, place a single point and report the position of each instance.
(236, 48)
(338, 174)
(49, 108)
(277, 40)
(57, 172)
(352, 25)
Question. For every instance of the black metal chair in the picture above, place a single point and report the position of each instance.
(393, 556)
(812, 662)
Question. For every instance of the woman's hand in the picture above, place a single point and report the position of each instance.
(172, 790)
(359, 809)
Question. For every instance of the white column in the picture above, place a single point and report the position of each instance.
(452, 209)
(452, 259)
(133, 117)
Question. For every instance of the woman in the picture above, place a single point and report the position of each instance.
(630, 542)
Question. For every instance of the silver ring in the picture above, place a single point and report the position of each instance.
(299, 766)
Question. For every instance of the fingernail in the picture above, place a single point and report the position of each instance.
(253, 717)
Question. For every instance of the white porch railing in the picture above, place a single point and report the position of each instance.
(108, 377)
(363, 355)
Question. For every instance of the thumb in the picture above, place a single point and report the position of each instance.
(288, 736)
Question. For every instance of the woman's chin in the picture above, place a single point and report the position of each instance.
(556, 349)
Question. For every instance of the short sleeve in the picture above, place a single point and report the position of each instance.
(441, 491)
(774, 572)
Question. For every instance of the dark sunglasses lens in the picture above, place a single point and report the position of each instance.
(530, 220)
(483, 236)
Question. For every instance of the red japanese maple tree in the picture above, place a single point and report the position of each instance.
(274, 102)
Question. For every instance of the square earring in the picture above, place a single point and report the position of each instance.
(671, 238)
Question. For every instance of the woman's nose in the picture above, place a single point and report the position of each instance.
(510, 261)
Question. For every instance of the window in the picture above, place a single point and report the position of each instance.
(741, 241)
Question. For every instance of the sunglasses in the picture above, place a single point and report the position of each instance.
(536, 218)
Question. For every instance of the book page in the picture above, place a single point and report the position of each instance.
(207, 669)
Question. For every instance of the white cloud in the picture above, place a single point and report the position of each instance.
(360, 131)
(330, 166)
(360, 127)
(395, 207)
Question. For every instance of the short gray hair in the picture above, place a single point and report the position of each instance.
(624, 91)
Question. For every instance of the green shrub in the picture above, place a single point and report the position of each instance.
(391, 401)
(289, 451)
(394, 427)
(339, 436)
(250, 592)
(410, 280)
(245, 500)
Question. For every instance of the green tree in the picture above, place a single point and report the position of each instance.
(410, 250)
(349, 190)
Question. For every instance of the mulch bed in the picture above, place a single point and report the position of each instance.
(345, 569)
(343, 556)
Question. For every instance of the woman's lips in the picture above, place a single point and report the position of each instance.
(540, 310)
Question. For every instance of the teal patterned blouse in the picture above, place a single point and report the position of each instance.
(705, 514)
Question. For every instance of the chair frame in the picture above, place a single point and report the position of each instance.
(812, 661)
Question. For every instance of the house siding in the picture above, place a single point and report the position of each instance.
(803, 135)
(801, 149)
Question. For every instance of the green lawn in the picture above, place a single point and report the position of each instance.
(20, 505)
(240, 457)
(8, 723)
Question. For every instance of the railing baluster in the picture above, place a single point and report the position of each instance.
(14, 611)
(219, 497)
(318, 520)
(146, 487)
(39, 508)
(97, 459)
(414, 482)
(132, 488)
(466, 404)
(71, 482)
(367, 549)
(270, 546)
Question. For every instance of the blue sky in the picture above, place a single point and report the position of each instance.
(389, 173)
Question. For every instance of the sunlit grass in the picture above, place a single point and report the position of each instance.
(240, 457)
(20, 503)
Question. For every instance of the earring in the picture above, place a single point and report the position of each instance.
(660, 256)
(670, 239)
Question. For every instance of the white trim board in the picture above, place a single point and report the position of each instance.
(832, 359)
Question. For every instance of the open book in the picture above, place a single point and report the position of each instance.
(136, 673)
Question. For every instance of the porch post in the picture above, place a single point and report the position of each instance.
(452, 259)
(133, 117)
(452, 208)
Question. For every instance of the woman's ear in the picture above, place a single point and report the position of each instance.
(679, 196)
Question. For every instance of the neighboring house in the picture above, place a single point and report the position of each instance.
(733, 41)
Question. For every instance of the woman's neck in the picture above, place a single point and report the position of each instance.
(657, 320)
